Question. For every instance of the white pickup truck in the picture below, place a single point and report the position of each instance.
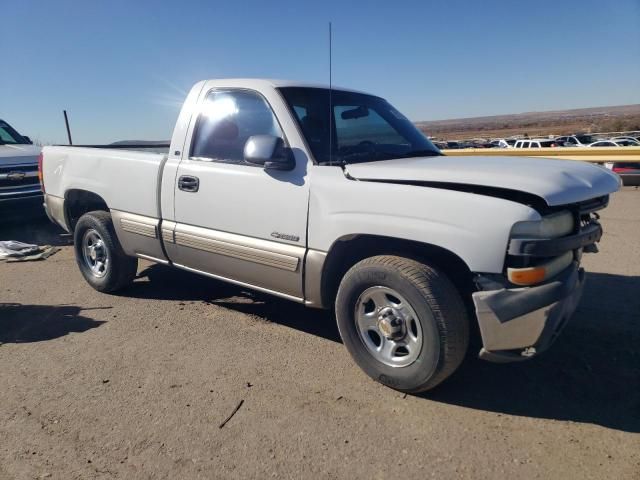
(347, 207)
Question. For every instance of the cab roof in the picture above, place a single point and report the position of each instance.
(272, 82)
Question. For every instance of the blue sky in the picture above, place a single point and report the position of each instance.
(121, 68)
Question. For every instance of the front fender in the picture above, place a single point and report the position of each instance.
(474, 227)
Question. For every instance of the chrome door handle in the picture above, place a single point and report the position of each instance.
(187, 183)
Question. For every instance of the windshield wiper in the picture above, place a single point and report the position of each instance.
(364, 157)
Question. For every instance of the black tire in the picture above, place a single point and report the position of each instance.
(120, 269)
(438, 306)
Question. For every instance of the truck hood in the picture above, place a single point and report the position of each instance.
(557, 182)
(19, 154)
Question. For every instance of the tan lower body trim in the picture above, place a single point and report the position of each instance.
(147, 229)
(284, 262)
(55, 210)
(272, 266)
(138, 234)
(152, 259)
(263, 252)
(168, 229)
(313, 267)
(243, 284)
(134, 223)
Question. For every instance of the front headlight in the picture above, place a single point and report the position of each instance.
(550, 226)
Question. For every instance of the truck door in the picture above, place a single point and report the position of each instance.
(234, 220)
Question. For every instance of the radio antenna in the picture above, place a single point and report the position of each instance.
(330, 103)
(66, 122)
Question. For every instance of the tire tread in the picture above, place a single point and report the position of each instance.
(124, 267)
(445, 303)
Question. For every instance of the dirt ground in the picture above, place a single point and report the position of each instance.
(137, 385)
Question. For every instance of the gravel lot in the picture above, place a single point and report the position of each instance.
(137, 385)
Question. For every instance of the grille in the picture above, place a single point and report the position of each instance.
(30, 178)
(592, 205)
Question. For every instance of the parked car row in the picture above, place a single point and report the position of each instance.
(581, 140)
(628, 172)
(617, 142)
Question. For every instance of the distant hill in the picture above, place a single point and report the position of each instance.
(556, 122)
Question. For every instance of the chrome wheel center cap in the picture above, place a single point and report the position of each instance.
(391, 323)
(92, 253)
(388, 326)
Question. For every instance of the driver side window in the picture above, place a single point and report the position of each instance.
(227, 119)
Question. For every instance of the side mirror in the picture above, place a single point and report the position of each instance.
(268, 151)
(28, 139)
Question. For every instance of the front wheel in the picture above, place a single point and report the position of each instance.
(403, 322)
(99, 254)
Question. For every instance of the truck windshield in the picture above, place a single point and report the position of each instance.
(9, 136)
(364, 128)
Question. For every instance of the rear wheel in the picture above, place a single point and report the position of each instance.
(99, 254)
(403, 322)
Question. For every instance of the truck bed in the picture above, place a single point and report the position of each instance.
(124, 178)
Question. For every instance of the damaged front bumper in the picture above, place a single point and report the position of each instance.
(518, 323)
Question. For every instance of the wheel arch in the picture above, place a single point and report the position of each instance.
(348, 250)
(77, 202)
